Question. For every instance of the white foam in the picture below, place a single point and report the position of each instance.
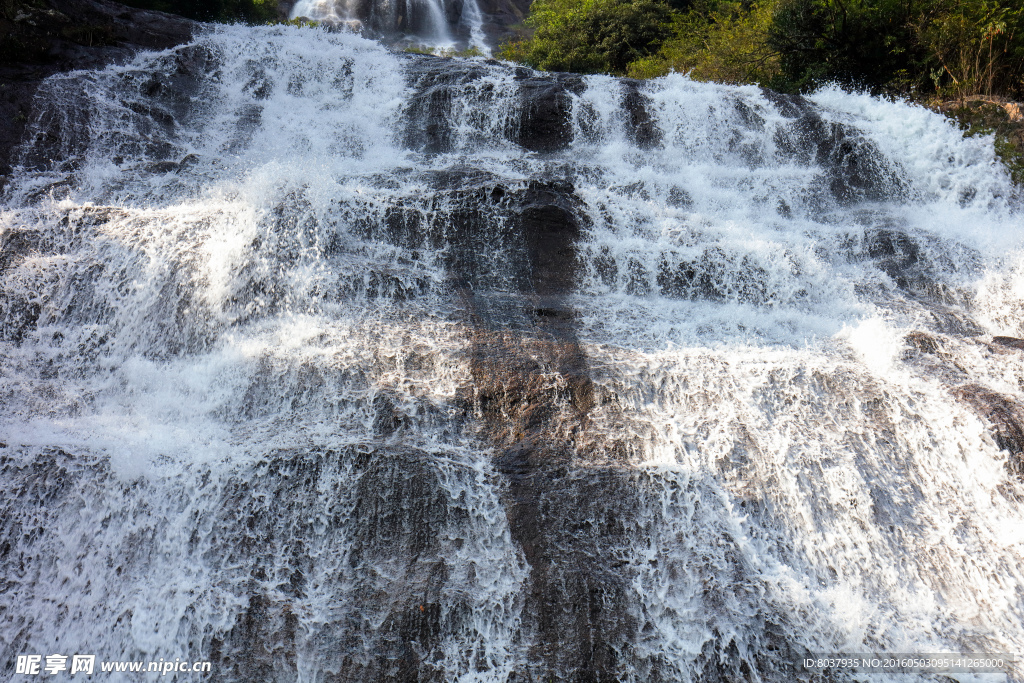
(803, 476)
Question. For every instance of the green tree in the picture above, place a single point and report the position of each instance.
(863, 43)
(961, 47)
(592, 36)
(718, 40)
(978, 47)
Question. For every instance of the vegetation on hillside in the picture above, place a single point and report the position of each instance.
(945, 48)
(248, 11)
(592, 36)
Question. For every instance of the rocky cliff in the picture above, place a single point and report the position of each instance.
(43, 37)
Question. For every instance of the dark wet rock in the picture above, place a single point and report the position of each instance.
(577, 543)
(453, 10)
(388, 419)
(749, 118)
(896, 254)
(643, 129)
(62, 35)
(545, 124)
(495, 236)
(931, 354)
(20, 306)
(436, 87)
(638, 279)
(15, 245)
(679, 198)
(790, 106)
(503, 19)
(1006, 417)
(570, 507)
(550, 219)
(539, 122)
(1009, 342)
(714, 276)
(914, 265)
(393, 537)
(18, 316)
(572, 522)
(855, 169)
(952, 321)
(162, 167)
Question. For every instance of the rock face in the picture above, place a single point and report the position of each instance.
(533, 391)
(40, 39)
(503, 18)
(985, 116)
(1010, 342)
(856, 169)
(936, 356)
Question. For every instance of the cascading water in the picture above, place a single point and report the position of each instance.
(436, 23)
(323, 363)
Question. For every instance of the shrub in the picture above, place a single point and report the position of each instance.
(592, 36)
(978, 47)
(723, 42)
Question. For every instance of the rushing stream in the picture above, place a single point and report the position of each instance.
(326, 363)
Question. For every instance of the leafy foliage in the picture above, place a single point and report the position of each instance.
(951, 47)
(719, 40)
(592, 36)
(948, 48)
(977, 48)
(864, 43)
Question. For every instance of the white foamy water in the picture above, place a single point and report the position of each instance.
(241, 289)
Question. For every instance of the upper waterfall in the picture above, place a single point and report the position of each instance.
(437, 23)
(324, 362)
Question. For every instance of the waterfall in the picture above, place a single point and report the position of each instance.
(320, 362)
(436, 23)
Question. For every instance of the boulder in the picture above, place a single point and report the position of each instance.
(1009, 342)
